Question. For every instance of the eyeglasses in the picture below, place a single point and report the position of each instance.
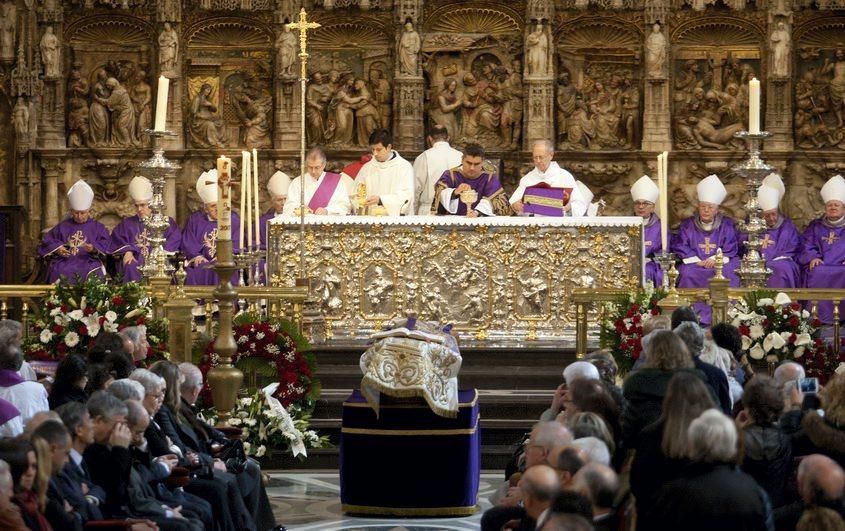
(157, 396)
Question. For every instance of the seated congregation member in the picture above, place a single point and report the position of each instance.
(388, 177)
(825, 428)
(10, 514)
(662, 447)
(199, 238)
(77, 245)
(821, 484)
(712, 493)
(716, 379)
(11, 330)
(130, 244)
(80, 492)
(578, 370)
(700, 236)
(51, 441)
(27, 397)
(644, 193)
(430, 165)
(823, 251)
(324, 192)
(135, 342)
(781, 241)
(600, 484)
(472, 175)
(202, 438)
(29, 490)
(69, 382)
(767, 455)
(547, 172)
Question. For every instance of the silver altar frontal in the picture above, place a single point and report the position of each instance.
(505, 279)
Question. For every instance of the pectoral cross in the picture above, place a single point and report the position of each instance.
(77, 240)
(832, 237)
(766, 241)
(707, 246)
(209, 240)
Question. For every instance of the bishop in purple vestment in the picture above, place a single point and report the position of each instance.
(77, 245)
(645, 194)
(698, 239)
(823, 253)
(781, 242)
(130, 244)
(472, 174)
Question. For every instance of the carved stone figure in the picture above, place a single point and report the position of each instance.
(170, 10)
(537, 44)
(445, 106)
(469, 105)
(168, 51)
(383, 93)
(340, 127)
(630, 113)
(367, 117)
(566, 97)
(49, 48)
(141, 95)
(780, 47)
(77, 116)
(122, 114)
(285, 52)
(837, 84)
(204, 126)
(8, 21)
(254, 116)
(655, 59)
(510, 84)
(317, 97)
(409, 49)
(20, 117)
(98, 114)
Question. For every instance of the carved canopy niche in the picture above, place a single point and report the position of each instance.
(463, 18)
(714, 60)
(229, 34)
(95, 41)
(599, 89)
(820, 84)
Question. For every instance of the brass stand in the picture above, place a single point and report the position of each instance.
(719, 291)
(225, 379)
(673, 299)
(177, 310)
(752, 271)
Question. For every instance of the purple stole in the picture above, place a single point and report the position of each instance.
(8, 378)
(324, 192)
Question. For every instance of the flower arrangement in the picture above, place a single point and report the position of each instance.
(75, 314)
(774, 328)
(622, 326)
(276, 415)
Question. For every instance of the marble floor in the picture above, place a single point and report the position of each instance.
(310, 501)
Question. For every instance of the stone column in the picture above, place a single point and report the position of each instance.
(287, 114)
(657, 124)
(539, 115)
(52, 171)
(408, 87)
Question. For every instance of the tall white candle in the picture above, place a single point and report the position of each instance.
(224, 198)
(663, 199)
(161, 103)
(241, 226)
(256, 214)
(246, 216)
(754, 106)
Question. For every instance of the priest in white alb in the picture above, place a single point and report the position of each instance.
(388, 177)
(547, 172)
(430, 165)
(324, 192)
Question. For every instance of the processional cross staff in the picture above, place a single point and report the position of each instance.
(303, 26)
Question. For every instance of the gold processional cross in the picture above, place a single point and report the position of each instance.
(707, 246)
(832, 237)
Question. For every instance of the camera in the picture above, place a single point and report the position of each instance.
(808, 386)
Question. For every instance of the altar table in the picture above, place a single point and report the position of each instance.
(499, 279)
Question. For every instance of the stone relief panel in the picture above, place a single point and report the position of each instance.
(473, 69)
(598, 97)
(713, 63)
(350, 93)
(229, 87)
(819, 119)
(108, 86)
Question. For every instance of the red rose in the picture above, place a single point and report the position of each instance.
(140, 321)
(636, 319)
(61, 347)
(744, 330)
(795, 306)
(816, 323)
(770, 308)
(765, 323)
(792, 339)
(793, 322)
(88, 310)
(58, 329)
(655, 311)
(102, 320)
(83, 330)
(635, 307)
(117, 300)
(64, 308)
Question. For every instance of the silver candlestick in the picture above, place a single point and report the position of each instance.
(753, 272)
(156, 169)
(665, 260)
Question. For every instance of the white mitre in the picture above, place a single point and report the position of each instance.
(80, 196)
(278, 184)
(711, 190)
(207, 186)
(834, 189)
(141, 189)
(645, 190)
(773, 180)
(768, 198)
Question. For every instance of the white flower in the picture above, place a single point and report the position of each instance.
(111, 316)
(765, 302)
(782, 299)
(840, 369)
(805, 314)
(250, 422)
(757, 352)
(55, 311)
(93, 329)
(76, 315)
(110, 327)
(262, 432)
(59, 320)
(798, 352)
(802, 340)
(71, 339)
(736, 322)
(746, 342)
(261, 451)
(234, 421)
(756, 332)
(259, 335)
(773, 341)
(46, 335)
(82, 302)
(242, 340)
(247, 446)
(247, 401)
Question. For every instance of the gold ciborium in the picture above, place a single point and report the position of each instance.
(361, 196)
(469, 198)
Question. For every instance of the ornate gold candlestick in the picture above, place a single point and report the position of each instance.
(753, 272)
(156, 169)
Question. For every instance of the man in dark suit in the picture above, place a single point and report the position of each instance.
(74, 479)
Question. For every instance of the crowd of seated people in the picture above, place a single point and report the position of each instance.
(691, 439)
(118, 447)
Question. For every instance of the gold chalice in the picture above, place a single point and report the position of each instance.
(469, 198)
